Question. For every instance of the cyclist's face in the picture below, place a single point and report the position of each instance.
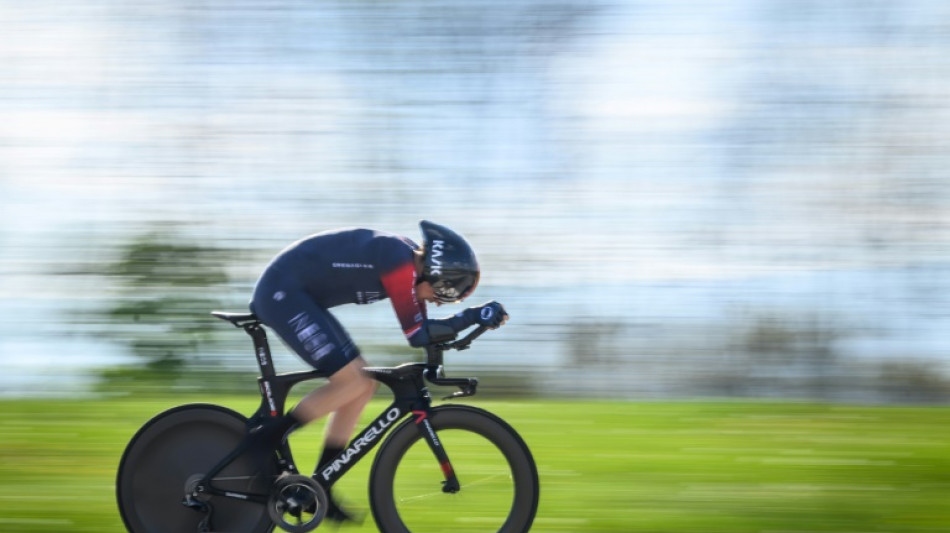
(425, 293)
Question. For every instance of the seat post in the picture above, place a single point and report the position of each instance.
(261, 348)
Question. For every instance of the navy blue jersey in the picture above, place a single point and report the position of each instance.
(358, 266)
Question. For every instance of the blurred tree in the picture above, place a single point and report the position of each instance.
(779, 354)
(594, 343)
(913, 381)
(166, 287)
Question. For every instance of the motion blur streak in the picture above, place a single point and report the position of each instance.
(671, 198)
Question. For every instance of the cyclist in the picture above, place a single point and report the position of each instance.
(359, 266)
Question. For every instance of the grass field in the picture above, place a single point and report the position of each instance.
(604, 466)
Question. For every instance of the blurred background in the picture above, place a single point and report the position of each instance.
(672, 198)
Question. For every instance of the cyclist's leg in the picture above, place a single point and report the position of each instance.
(317, 338)
(320, 340)
(346, 394)
(343, 421)
(343, 398)
(305, 326)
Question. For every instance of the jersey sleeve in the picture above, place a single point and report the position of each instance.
(400, 285)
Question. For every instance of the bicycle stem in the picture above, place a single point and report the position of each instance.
(435, 374)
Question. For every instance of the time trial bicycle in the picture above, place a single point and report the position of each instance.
(439, 468)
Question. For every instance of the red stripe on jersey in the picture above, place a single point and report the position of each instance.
(400, 286)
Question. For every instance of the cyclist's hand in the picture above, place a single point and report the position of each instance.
(491, 315)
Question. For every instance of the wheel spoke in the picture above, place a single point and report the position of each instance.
(464, 486)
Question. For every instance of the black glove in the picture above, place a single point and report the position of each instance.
(491, 315)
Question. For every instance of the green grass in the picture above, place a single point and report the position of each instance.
(626, 467)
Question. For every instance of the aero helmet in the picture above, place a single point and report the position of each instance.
(449, 265)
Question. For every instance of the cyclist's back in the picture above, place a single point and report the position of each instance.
(346, 265)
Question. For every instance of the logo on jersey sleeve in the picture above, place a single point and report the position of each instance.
(367, 266)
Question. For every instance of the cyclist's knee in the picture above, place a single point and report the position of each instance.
(369, 387)
(351, 372)
(366, 387)
(351, 377)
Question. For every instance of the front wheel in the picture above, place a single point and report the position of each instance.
(496, 472)
(175, 449)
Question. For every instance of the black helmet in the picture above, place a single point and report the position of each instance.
(450, 265)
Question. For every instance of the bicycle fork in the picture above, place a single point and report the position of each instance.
(451, 483)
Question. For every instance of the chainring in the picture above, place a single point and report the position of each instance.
(297, 503)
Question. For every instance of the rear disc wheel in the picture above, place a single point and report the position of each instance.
(172, 452)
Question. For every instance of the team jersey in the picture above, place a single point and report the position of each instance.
(358, 266)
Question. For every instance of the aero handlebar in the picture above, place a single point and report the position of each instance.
(434, 372)
(464, 342)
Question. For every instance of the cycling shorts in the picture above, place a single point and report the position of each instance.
(308, 329)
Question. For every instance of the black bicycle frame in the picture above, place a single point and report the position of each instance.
(411, 396)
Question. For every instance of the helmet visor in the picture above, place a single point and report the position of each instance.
(454, 287)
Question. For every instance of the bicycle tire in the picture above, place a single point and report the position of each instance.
(176, 446)
(497, 473)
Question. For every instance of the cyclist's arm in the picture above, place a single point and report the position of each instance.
(400, 285)
(491, 315)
